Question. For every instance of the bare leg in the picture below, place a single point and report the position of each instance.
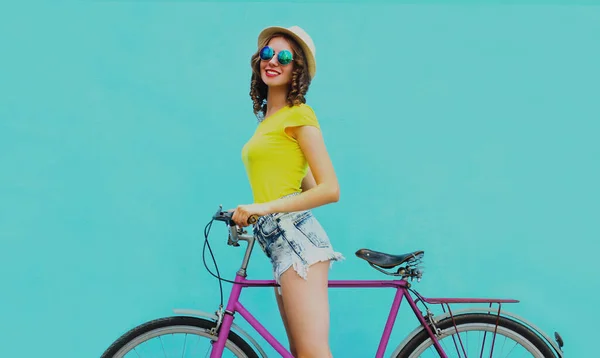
(285, 322)
(306, 306)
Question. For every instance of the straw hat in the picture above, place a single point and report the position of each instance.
(303, 39)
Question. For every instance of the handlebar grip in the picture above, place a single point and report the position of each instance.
(252, 219)
(227, 216)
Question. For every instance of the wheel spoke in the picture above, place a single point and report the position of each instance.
(509, 352)
(483, 346)
(456, 346)
(208, 350)
(444, 345)
(502, 348)
(163, 346)
(466, 344)
(172, 338)
(505, 336)
(184, 342)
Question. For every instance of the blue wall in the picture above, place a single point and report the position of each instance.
(468, 131)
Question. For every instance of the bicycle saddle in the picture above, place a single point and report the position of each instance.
(386, 260)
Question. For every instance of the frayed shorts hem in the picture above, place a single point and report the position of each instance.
(295, 240)
(302, 268)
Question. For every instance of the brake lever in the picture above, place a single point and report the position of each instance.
(224, 216)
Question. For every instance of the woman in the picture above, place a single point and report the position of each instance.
(290, 173)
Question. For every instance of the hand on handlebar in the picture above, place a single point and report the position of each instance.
(245, 215)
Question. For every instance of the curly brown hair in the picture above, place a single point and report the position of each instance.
(298, 86)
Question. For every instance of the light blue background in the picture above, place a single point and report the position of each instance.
(468, 131)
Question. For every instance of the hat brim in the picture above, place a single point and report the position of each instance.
(308, 53)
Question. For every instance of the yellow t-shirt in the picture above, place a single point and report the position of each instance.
(274, 161)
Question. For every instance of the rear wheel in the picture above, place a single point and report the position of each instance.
(473, 336)
(180, 336)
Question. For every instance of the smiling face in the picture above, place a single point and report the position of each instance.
(272, 72)
(293, 78)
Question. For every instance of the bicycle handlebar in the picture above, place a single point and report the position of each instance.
(227, 216)
(234, 234)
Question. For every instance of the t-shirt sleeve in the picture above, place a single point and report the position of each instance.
(302, 116)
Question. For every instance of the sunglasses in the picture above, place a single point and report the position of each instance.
(284, 57)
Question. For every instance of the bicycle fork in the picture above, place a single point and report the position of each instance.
(227, 320)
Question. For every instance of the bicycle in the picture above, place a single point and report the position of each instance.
(444, 334)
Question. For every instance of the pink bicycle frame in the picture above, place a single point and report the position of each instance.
(401, 286)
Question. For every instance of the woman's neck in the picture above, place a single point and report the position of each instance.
(276, 99)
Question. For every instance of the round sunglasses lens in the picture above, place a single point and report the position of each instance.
(285, 57)
(266, 53)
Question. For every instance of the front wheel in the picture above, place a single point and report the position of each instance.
(472, 335)
(179, 336)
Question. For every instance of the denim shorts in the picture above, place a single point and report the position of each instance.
(294, 239)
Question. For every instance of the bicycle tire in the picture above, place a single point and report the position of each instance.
(234, 341)
(477, 319)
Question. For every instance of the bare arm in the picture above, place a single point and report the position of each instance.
(319, 186)
(320, 179)
(308, 182)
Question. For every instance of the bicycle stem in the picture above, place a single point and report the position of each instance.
(235, 235)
